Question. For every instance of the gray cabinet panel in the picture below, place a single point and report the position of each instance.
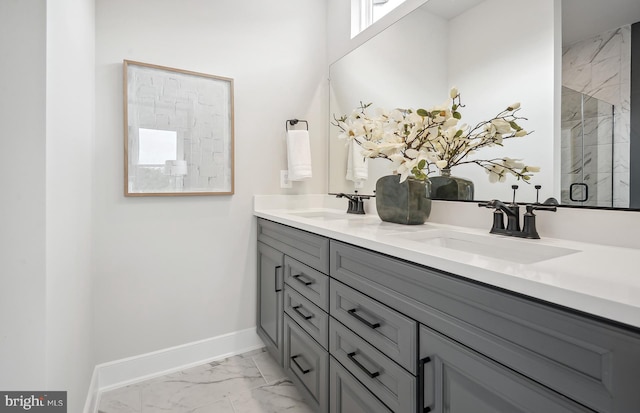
(590, 361)
(391, 332)
(311, 318)
(458, 380)
(311, 283)
(307, 363)
(350, 396)
(308, 248)
(270, 300)
(393, 385)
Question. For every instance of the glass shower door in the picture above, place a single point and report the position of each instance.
(587, 150)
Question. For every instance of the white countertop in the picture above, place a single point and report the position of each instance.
(595, 279)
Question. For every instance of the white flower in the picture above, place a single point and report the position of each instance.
(453, 93)
(441, 164)
(532, 168)
(411, 153)
(450, 122)
(513, 163)
(520, 133)
(502, 126)
(514, 106)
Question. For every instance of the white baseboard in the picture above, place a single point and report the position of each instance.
(131, 370)
(91, 404)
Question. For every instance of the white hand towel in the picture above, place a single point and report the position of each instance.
(299, 155)
(357, 165)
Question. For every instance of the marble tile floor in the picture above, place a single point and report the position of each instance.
(248, 383)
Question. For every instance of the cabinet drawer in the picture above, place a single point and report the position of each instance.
(311, 318)
(307, 363)
(387, 380)
(308, 248)
(394, 334)
(312, 284)
(349, 396)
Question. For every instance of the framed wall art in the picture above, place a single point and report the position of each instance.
(178, 132)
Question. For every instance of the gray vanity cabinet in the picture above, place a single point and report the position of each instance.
(270, 298)
(360, 331)
(590, 361)
(293, 302)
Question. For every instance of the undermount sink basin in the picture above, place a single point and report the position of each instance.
(503, 248)
(323, 215)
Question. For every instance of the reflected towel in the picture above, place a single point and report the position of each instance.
(299, 155)
(357, 165)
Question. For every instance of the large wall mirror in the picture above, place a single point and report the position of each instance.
(569, 66)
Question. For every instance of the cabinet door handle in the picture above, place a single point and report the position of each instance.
(297, 310)
(302, 370)
(352, 357)
(299, 277)
(275, 278)
(362, 320)
(421, 383)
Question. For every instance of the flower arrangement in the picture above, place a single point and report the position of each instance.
(416, 141)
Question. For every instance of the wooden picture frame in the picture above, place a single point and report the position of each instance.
(178, 132)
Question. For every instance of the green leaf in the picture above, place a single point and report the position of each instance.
(422, 112)
(422, 164)
(454, 107)
(515, 125)
(457, 115)
(459, 133)
(435, 112)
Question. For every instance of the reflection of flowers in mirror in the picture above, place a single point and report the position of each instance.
(418, 141)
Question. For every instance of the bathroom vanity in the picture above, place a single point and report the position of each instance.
(367, 316)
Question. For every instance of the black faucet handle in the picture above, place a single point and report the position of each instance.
(515, 188)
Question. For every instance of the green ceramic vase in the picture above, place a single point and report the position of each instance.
(402, 203)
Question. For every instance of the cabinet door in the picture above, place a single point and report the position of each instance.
(347, 395)
(270, 298)
(455, 379)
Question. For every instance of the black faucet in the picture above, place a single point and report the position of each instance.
(513, 216)
(356, 202)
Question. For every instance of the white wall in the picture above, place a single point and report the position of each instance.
(69, 157)
(22, 203)
(507, 61)
(173, 270)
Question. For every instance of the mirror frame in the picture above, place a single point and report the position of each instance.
(220, 104)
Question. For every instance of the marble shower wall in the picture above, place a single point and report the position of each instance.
(601, 67)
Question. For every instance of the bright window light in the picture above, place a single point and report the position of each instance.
(366, 12)
(157, 146)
